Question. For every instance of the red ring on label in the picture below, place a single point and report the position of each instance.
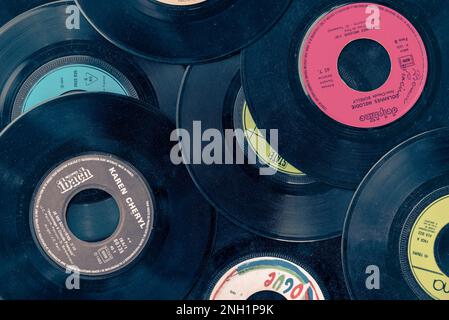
(272, 274)
(320, 78)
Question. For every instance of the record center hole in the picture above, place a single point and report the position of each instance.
(267, 296)
(364, 65)
(442, 250)
(93, 215)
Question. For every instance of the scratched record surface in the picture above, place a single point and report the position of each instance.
(245, 266)
(101, 146)
(179, 31)
(44, 55)
(260, 190)
(397, 226)
(345, 82)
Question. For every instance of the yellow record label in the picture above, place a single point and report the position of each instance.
(262, 148)
(421, 249)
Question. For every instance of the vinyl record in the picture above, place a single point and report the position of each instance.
(395, 241)
(345, 82)
(105, 143)
(166, 80)
(253, 268)
(177, 31)
(45, 54)
(266, 276)
(12, 8)
(257, 189)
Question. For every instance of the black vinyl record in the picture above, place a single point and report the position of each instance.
(346, 81)
(281, 203)
(395, 239)
(109, 144)
(9, 9)
(247, 267)
(178, 31)
(44, 54)
(166, 80)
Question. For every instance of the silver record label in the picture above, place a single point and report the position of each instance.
(102, 172)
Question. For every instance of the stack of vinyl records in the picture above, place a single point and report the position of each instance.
(224, 150)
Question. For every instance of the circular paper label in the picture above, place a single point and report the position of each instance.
(106, 173)
(272, 274)
(70, 74)
(422, 249)
(320, 52)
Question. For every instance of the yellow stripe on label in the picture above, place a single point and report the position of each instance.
(421, 249)
(262, 148)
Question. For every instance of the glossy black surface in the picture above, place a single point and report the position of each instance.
(313, 142)
(275, 208)
(385, 208)
(81, 123)
(40, 35)
(183, 34)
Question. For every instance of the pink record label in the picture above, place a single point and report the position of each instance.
(320, 52)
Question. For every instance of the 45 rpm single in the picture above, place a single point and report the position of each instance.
(267, 276)
(43, 55)
(395, 239)
(255, 268)
(106, 144)
(346, 82)
(258, 189)
(183, 32)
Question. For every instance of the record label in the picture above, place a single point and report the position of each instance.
(322, 82)
(101, 172)
(181, 2)
(254, 276)
(423, 249)
(67, 75)
(72, 78)
(264, 204)
(100, 201)
(262, 148)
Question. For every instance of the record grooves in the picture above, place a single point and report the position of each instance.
(292, 86)
(192, 32)
(252, 150)
(12, 8)
(251, 262)
(67, 60)
(161, 221)
(285, 206)
(404, 225)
